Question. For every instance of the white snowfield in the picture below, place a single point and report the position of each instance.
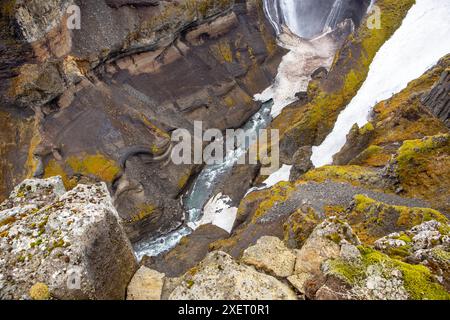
(419, 43)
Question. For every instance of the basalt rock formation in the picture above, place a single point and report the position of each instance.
(105, 98)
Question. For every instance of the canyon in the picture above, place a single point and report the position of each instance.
(358, 209)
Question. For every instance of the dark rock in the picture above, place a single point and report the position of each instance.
(190, 251)
(319, 74)
(134, 3)
(146, 77)
(438, 98)
(301, 162)
(357, 141)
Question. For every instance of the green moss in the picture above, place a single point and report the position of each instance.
(417, 279)
(36, 243)
(145, 211)
(405, 238)
(60, 243)
(371, 219)
(399, 252)
(444, 229)
(351, 273)
(39, 291)
(367, 128)
(422, 169)
(299, 227)
(277, 194)
(351, 174)
(412, 149)
(97, 165)
(441, 255)
(222, 51)
(373, 156)
(190, 283)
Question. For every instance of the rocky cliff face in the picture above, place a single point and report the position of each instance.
(104, 93)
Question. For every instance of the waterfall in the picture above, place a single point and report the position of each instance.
(333, 17)
(290, 15)
(271, 10)
(416, 46)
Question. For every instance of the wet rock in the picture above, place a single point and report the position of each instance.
(146, 284)
(219, 277)
(271, 256)
(65, 244)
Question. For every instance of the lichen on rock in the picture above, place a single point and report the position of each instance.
(219, 277)
(72, 242)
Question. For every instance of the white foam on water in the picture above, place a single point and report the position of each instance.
(422, 39)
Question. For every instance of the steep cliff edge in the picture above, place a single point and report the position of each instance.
(102, 93)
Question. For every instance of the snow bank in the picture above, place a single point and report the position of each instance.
(417, 45)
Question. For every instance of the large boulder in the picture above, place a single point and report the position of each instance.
(147, 284)
(327, 241)
(219, 277)
(270, 255)
(69, 244)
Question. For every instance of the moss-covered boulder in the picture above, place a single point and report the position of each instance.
(377, 276)
(422, 169)
(427, 244)
(372, 219)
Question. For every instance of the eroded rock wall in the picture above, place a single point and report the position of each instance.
(133, 73)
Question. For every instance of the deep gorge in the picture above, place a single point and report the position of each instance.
(359, 208)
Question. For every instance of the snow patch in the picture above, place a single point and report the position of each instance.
(219, 213)
(296, 67)
(278, 176)
(419, 43)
